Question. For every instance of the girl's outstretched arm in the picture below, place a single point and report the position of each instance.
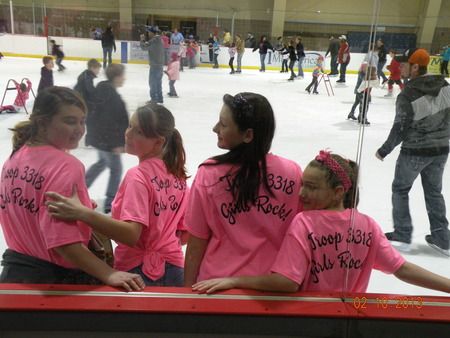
(414, 274)
(272, 282)
(71, 209)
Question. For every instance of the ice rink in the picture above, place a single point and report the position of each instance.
(305, 124)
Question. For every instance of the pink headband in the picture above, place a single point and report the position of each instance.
(325, 158)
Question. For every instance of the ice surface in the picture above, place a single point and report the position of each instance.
(305, 125)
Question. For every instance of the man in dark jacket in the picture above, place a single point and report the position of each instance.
(422, 125)
(155, 48)
(109, 123)
(333, 50)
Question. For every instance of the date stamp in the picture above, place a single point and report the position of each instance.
(383, 303)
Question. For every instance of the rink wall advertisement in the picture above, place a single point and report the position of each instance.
(85, 49)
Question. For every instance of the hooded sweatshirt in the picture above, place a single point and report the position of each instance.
(422, 119)
(155, 47)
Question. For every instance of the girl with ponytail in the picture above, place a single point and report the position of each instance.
(41, 249)
(148, 209)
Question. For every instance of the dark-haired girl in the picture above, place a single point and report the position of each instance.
(148, 209)
(42, 249)
(242, 201)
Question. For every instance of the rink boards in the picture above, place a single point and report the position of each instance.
(47, 310)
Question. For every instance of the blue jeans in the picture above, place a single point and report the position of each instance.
(380, 70)
(334, 64)
(173, 276)
(342, 70)
(107, 51)
(431, 170)
(262, 58)
(300, 66)
(113, 162)
(155, 83)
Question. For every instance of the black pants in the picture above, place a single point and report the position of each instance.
(231, 64)
(20, 268)
(444, 68)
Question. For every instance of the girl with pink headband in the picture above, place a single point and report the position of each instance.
(330, 246)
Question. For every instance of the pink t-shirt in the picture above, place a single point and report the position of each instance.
(242, 241)
(26, 224)
(165, 40)
(319, 246)
(153, 197)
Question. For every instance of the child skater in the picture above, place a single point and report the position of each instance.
(355, 242)
(358, 97)
(173, 72)
(148, 210)
(190, 53)
(85, 87)
(365, 88)
(182, 53)
(396, 74)
(315, 74)
(23, 91)
(232, 52)
(285, 56)
(242, 201)
(46, 73)
(56, 51)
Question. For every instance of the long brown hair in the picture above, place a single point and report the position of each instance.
(157, 121)
(48, 103)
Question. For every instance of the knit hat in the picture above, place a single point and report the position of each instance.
(343, 37)
(414, 55)
(174, 56)
(320, 58)
(152, 29)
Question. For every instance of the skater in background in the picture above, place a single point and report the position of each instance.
(23, 91)
(108, 45)
(165, 40)
(333, 50)
(396, 74)
(263, 47)
(315, 76)
(173, 72)
(250, 41)
(445, 59)
(343, 58)
(109, 123)
(358, 97)
(240, 52)
(329, 193)
(232, 53)
(85, 87)
(42, 249)
(216, 50)
(226, 215)
(149, 207)
(210, 47)
(284, 59)
(382, 53)
(56, 51)
(369, 81)
(191, 52)
(46, 73)
(300, 56)
(182, 53)
(292, 59)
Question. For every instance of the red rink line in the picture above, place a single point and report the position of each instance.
(34, 297)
